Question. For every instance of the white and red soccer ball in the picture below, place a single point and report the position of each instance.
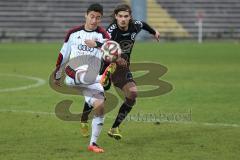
(111, 51)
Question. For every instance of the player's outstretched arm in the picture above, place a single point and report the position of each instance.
(152, 31)
(157, 35)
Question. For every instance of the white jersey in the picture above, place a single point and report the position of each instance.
(74, 45)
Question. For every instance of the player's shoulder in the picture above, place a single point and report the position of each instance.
(137, 23)
(73, 30)
(112, 27)
(102, 31)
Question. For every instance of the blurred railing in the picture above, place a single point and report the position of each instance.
(46, 20)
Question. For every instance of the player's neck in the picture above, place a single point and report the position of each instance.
(123, 28)
(87, 28)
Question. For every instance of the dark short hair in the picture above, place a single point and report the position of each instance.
(96, 7)
(123, 7)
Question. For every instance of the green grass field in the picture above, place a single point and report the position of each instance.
(205, 80)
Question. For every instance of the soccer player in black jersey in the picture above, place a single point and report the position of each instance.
(123, 30)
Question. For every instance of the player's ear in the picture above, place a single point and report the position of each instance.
(115, 15)
(86, 15)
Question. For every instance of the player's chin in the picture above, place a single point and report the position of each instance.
(93, 26)
(123, 25)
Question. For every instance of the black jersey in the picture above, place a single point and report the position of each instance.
(126, 39)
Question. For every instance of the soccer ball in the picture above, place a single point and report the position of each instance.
(111, 51)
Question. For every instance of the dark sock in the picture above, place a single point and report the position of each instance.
(86, 111)
(123, 112)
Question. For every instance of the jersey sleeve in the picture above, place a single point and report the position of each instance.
(104, 33)
(63, 57)
(111, 29)
(145, 26)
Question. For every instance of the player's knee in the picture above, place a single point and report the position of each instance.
(99, 107)
(131, 99)
(132, 95)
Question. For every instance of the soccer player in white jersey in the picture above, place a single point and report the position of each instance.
(75, 46)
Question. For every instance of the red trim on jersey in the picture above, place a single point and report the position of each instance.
(59, 60)
(75, 29)
(70, 72)
(103, 32)
(58, 64)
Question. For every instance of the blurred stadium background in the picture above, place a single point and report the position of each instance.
(47, 20)
(205, 79)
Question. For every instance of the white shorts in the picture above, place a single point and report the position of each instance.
(90, 92)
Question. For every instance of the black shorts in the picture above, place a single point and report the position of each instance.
(122, 76)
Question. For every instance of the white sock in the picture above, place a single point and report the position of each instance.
(97, 124)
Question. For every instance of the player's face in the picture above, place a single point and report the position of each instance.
(93, 19)
(123, 18)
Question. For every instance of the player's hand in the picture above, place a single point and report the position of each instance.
(121, 62)
(90, 43)
(57, 82)
(157, 35)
